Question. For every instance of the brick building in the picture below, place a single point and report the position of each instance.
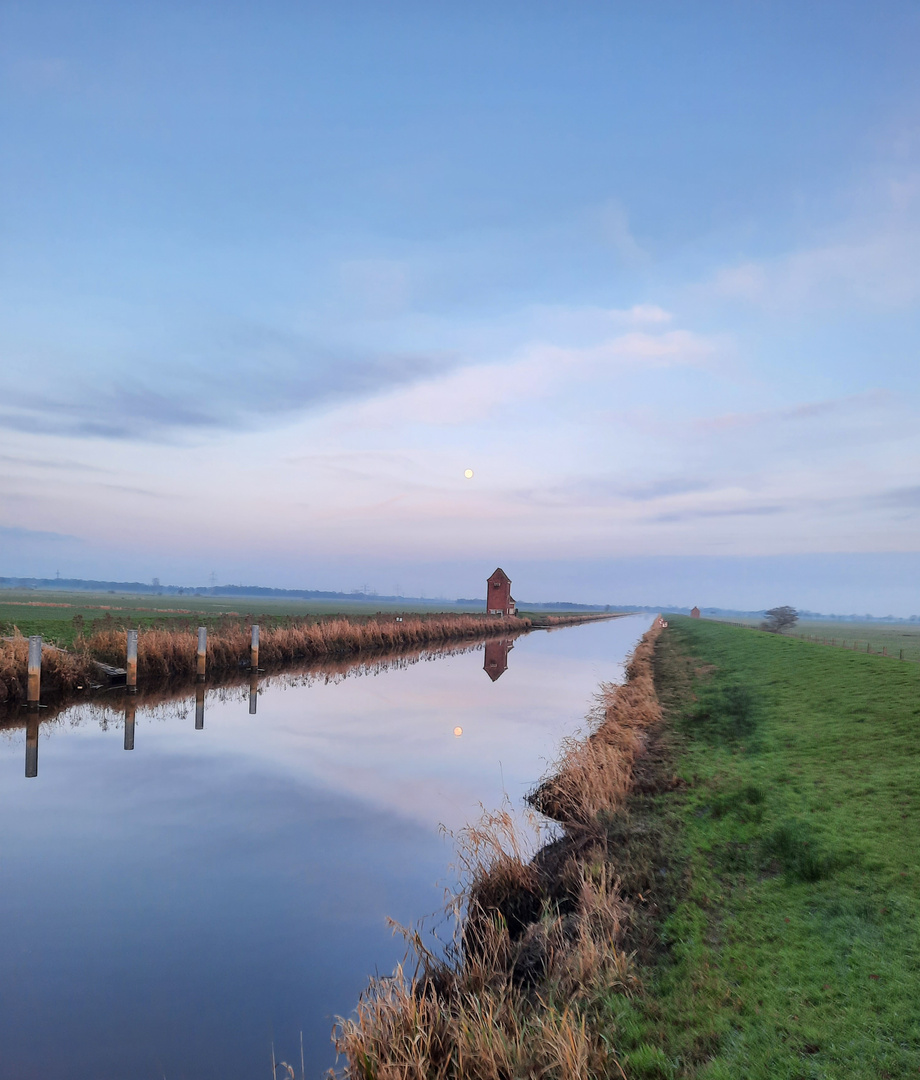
(499, 600)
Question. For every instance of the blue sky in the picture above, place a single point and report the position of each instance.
(273, 276)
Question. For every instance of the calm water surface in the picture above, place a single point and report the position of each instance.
(171, 910)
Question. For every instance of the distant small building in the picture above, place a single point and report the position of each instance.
(695, 613)
(499, 600)
(495, 662)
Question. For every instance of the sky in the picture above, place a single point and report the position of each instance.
(274, 276)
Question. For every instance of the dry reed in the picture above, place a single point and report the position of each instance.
(170, 654)
(539, 942)
(61, 671)
(165, 654)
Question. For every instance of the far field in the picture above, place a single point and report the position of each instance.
(895, 639)
(61, 616)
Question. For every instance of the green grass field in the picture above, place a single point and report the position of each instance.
(794, 949)
(59, 616)
(897, 639)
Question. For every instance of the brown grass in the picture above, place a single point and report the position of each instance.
(61, 670)
(170, 654)
(593, 775)
(539, 942)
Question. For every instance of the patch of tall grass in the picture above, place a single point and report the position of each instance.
(169, 654)
(63, 671)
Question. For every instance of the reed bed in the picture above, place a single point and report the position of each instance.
(539, 942)
(61, 670)
(165, 654)
(169, 654)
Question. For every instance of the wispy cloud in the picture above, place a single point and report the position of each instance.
(852, 405)
(252, 376)
(692, 514)
(62, 464)
(15, 533)
(872, 264)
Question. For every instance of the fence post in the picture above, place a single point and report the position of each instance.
(254, 649)
(253, 694)
(199, 707)
(131, 663)
(130, 710)
(32, 747)
(202, 650)
(35, 671)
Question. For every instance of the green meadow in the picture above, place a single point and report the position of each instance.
(790, 864)
(893, 639)
(60, 616)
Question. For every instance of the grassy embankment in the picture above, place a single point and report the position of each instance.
(757, 855)
(795, 949)
(167, 643)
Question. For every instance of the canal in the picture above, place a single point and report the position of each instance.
(174, 909)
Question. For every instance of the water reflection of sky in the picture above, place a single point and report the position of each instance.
(178, 906)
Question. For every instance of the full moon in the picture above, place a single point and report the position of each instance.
(468, 473)
(458, 731)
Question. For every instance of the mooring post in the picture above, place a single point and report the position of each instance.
(253, 694)
(254, 649)
(199, 707)
(202, 650)
(35, 670)
(131, 677)
(32, 746)
(130, 710)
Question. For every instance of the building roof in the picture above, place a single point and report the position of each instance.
(498, 572)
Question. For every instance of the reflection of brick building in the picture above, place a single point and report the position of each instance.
(695, 613)
(499, 600)
(496, 658)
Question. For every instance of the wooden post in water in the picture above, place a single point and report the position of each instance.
(253, 694)
(131, 665)
(254, 650)
(35, 671)
(199, 707)
(202, 650)
(130, 710)
(32, 747)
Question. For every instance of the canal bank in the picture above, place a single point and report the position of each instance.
(541, 942)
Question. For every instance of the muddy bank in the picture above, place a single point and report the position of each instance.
(543, 944)
(167, 657)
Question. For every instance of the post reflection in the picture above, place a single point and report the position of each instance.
(495, 663)
(32, 746)
(253, 695)
(130, 712)
(199, 706)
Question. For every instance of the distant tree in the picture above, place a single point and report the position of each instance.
(779, 619)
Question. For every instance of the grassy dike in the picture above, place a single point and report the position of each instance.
(793, 950)
(734, 893)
